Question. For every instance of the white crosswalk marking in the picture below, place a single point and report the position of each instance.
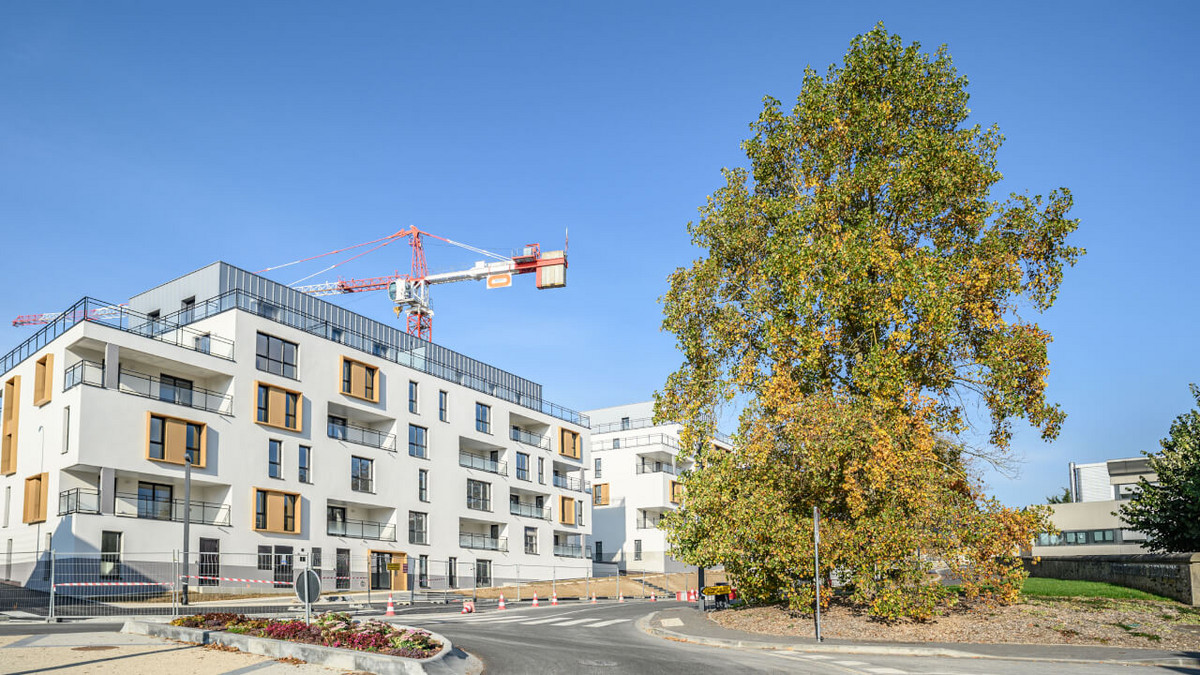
(882, 670)
(537, 621)
(791, 655)
(610, 622)
(572, 622)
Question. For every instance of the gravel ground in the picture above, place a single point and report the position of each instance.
(1044, 621)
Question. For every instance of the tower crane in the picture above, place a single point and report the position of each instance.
(409, 292)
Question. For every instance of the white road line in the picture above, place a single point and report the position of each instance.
(537, 621)
(882, 670)
(610, 622)
(801, 655)
(572, 622)
(849, 663)
(493, 619)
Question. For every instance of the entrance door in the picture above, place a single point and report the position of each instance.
(210, 561)
(342, 569)
(383, 579)
(283, 566)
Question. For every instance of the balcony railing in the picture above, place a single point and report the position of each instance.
(648, 466)
(148, 386)
(647, 523)
(569, 483)
(529, 438)
(482, 542)
(635, 442)
(204, 513)
(372, 438)
(568, 550)
(78, 500)
(360, 529)
(482, 463)
(627, 425)
(529, 510)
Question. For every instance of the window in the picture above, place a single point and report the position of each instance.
(275, 458)
(452, 572)
(599, 550)
(335, 520)
(483, 418)
(8, 443)
(361, 470)
(479, 495)
(359, 380)
(337, 427)
(418, 527)
(379, 349)
(155, 501)
(412, 397)
(278, 407)
(523, 465)
(483, 572)
(276, 511)
(568, 445)
(423, 571)
(110, 554)
(316, 558)
(36, 488)
(203, 343)
(597, 467)
(187, 310)
(579, 511)
(542, 470)
(416, 442)
(210, 562)
(676, 492)
(566, 510)
(174, 440)
(616, 444)
(423, 484)
(443, 404)
(304, 464)
(274, 355)
(624, 424)
(600, 494)
(175, 390)
(637, 549)
(265, 558)
(66, 429)
(531, 540)
(42, 380)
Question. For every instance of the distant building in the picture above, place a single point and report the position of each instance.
(1089, 524)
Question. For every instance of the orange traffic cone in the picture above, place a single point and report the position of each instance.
(653, 598)
(501, 602)
(535, 602)
(678, 596)
(593, 598)
(554, 599)
(391, 609)
(620, 597)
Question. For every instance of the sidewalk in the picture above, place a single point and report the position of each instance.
(687, 624)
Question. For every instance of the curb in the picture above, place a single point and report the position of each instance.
(345, 659)
(644, 624)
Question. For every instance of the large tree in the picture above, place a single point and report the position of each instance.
(1168, 510)
(861, 291)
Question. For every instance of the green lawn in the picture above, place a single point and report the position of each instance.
(1060, 588)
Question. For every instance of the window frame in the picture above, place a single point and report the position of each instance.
(284, 367)
(414, 393)
(423, 445)
(293, 407)
(483, 418)
(262, 495)
(443, 405)
(356, 480)
(304, 464)
(423, 485)
(195, 440)
(370, 380)
(275, 458)
(422, 533)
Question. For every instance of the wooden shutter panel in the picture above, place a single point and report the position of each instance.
(275, 511)
(358, 380)
(43, 487)
(174, 440)
(276, 405)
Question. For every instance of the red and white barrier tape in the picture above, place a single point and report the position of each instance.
(245, 581)
(116, 583)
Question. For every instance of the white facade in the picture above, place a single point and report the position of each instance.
(501, 479)
(1088, 524)
(635, 473)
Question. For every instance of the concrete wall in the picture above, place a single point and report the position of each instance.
(1174, 576)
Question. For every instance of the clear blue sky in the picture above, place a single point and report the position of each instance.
(140, 140)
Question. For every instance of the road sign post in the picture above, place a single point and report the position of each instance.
(308, 589)
(817, 569)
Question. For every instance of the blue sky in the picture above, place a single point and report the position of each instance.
(140, 140)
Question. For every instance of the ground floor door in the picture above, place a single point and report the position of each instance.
(342, 568)
(210, 561)
(384, 579)
(283, 566)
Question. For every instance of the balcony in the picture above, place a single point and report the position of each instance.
(529, 510)
(482, 542)
(645, 522)
(529, 438)
(203, 513)
(371, 438)
(635, 442)
(650, 466)
(78, 500)
(360, 529)
(568, 550)
(473, 461)
(569, 483)
(148, 386)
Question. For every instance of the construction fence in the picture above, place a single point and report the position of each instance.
(51, 585)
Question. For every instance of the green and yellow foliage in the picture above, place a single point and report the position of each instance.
(860, 292)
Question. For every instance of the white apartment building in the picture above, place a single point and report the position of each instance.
(636, 467)
(310, 428)
(1088, 523)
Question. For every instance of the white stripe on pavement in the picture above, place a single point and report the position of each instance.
(849, 663)
(602, 624)
(572, 622)
(537, 621)
(885, 671)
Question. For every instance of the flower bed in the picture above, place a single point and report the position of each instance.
(335, 629)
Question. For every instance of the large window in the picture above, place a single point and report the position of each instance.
(175, 390)
(275, 458)
(359, 380)
(483, 573)
(155, 501)
(278, 407)
(483, 418)
(416, 441)
(423, 484)
(210, 562)
(637, 549)
(523, 465)
(275, 355)
(175, 440)
(600, 494)
(304, 464)
(110, 554)
(361, 473)
(531, 540)
(1078, 538)
(412, 397)
(276, 511)
(479, 495)
(335, 520)
(443, 406)
(418, 527)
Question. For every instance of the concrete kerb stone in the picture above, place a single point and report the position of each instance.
(345, 659)
(646, 625)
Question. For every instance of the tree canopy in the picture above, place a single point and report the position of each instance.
(1168, 510)
(860, 290)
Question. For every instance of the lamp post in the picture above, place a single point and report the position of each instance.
(187, 519)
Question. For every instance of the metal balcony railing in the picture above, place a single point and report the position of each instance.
(568, 550)
(647, 523)
(529, 438)
(372, 438)
(78, 500)
(529, 510)
(482, 463)
(203, 513)
(482, 542)
(148, 386)
(649, 466)
(636, 442)
(569, 483)
(361, 529)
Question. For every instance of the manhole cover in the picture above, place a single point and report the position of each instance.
(92, 648)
